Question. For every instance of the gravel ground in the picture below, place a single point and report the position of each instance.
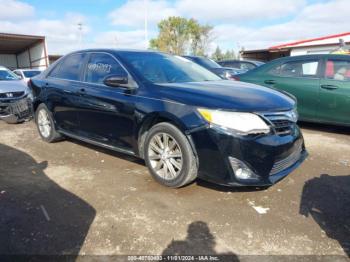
(73, 198)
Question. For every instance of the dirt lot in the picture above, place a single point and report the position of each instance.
(72, 198)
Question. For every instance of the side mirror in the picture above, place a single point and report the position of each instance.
(116, 80)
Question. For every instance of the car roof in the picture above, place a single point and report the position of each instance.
(244, 60)
(115, 50)
(315, 56)
(25, 70)
(3, 68)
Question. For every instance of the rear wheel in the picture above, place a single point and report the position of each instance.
(169, 156)
(46, 125)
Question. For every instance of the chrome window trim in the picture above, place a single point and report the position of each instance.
(288, 115)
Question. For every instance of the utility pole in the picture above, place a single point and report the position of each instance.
(116, 41)
(80, 28)
(146, 23)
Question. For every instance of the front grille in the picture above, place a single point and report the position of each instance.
(282, 122)
(282, 126)
(22, 108)
(287, 162)
(11, 95)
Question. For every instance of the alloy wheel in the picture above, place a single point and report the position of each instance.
(44, 123)
(165, 156)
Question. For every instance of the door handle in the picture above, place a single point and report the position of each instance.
(270, 82)
(329, 87)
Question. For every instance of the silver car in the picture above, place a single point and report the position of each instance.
(15, 98)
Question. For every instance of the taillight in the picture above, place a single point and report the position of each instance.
(235, 78)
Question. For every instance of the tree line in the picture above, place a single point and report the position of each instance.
(181, 36)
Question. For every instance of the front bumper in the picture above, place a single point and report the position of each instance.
(271, 157)
(16, 110)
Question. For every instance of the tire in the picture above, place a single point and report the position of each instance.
(50, 135)
(163, 158)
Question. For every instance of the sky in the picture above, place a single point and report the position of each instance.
(252, 24)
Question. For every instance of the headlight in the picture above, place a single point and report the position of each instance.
(29, 93)
(241, 123)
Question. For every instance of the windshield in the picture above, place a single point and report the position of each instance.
(7, 75)
(29, 74)
(164, 68)
(206, 62)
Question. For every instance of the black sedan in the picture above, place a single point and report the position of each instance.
(243, 65)
(183, 120)
(211, 65)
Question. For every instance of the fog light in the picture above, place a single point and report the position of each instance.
(241, 170)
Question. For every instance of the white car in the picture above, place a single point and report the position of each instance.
(26, 74)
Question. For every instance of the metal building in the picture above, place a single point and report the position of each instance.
(23, 51)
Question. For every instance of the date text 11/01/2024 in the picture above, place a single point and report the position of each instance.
(178, 258)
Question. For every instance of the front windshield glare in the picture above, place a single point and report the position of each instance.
(7, 75)
(163, 68)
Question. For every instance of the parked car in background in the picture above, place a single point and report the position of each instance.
(26, 74)
(211, 65)
(15, 98)
(185, 121)
(321, 84)
(244, 65)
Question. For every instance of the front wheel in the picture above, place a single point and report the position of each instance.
(169, 156)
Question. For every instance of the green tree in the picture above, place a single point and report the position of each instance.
(178, 35)
(200, 37)
(229, 54)
(173, 35)
(217, 55)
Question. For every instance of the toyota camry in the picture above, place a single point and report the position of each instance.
(183, 120)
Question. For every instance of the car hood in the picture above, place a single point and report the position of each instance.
(226, 94)
(12, 86)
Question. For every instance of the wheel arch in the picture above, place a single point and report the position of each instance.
(151, 120)
(36, 103)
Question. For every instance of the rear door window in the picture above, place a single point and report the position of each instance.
(100, 66)
(299, 69)
(338, 70)
(69, 68)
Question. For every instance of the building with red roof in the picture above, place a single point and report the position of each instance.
(320, 45)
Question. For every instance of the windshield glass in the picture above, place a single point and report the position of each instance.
(7, 75)
(206, 62)
(164, 68)
(29, 74)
